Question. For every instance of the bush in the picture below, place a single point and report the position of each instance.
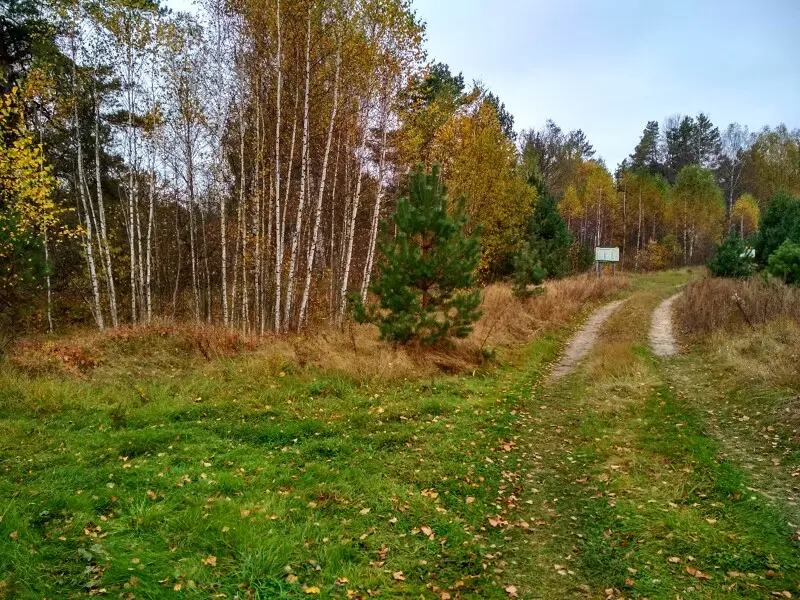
(780, 222)
(714, 303)
(549, 237)
(425, 278)
(731, 258)
(528, 271)
(785, 263)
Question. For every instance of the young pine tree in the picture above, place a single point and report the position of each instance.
(731, 258)
(549, 236)
(425, 278)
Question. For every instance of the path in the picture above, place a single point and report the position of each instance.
(661, 337)
(627, 492)
(582, 342)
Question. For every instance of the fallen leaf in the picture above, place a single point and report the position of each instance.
(697, 572)
(211, 561)
(13, 535)
(311, 590)
(364, 511)
(398, 576)
(674, 559)
(291, 578)
(470, 500)
(427, 531)
(511, 590)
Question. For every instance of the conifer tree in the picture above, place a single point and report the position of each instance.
(425, 280)
(549, 236)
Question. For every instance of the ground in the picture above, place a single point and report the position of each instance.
(632, 476)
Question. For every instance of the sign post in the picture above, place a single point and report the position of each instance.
(606, 255)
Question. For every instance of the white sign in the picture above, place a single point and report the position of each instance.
(606, 254)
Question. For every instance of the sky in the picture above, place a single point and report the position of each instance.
(609, 66)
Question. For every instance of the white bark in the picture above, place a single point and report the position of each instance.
(47, 283)
(149, 241)
(82, 191)
(312, 250)
(131, 144)
(278, 236)
(104, 245)
(376, 214)
(290, 282)
(352, 223)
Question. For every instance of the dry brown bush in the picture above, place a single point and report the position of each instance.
(354, 350)
(712, 303)
(508, 320)
(767, 353)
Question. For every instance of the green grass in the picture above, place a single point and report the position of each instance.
(132, 488)
(226, 480)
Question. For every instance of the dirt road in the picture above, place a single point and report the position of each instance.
(582, 342)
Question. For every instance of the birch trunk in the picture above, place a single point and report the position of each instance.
(131, 143)
(224, 261)
(82, 192)
(278, 236)
(639, 230)
(351, 226)
(105, 249)
(47, 283)
(332, 233)
(256, 190)
(312, 250)
(376, 214)
(290, 282)
(149, 242)
(192, 249)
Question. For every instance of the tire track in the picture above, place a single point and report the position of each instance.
(582, 342)
(662, 339)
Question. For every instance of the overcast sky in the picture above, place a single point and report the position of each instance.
(608, 67)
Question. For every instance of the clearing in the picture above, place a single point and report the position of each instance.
(240, 479)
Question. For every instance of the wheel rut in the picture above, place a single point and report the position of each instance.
(662, 338)
(582, 342)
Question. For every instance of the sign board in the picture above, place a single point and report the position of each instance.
(606, 254)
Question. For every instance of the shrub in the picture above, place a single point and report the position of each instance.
(425, 278)
(785, 263)
(714, 303)
(528, 271)
(549, 237)
(780, 222)
(731, 258)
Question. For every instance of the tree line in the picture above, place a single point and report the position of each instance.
(241, 164)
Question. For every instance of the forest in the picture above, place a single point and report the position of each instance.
(239, 165)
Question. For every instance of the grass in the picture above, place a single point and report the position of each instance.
(252, 476)
(718, 304)
(276, 477)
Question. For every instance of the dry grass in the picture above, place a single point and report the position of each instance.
(768, 354)
(712, 304)
(508, 321)
(354, 351)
